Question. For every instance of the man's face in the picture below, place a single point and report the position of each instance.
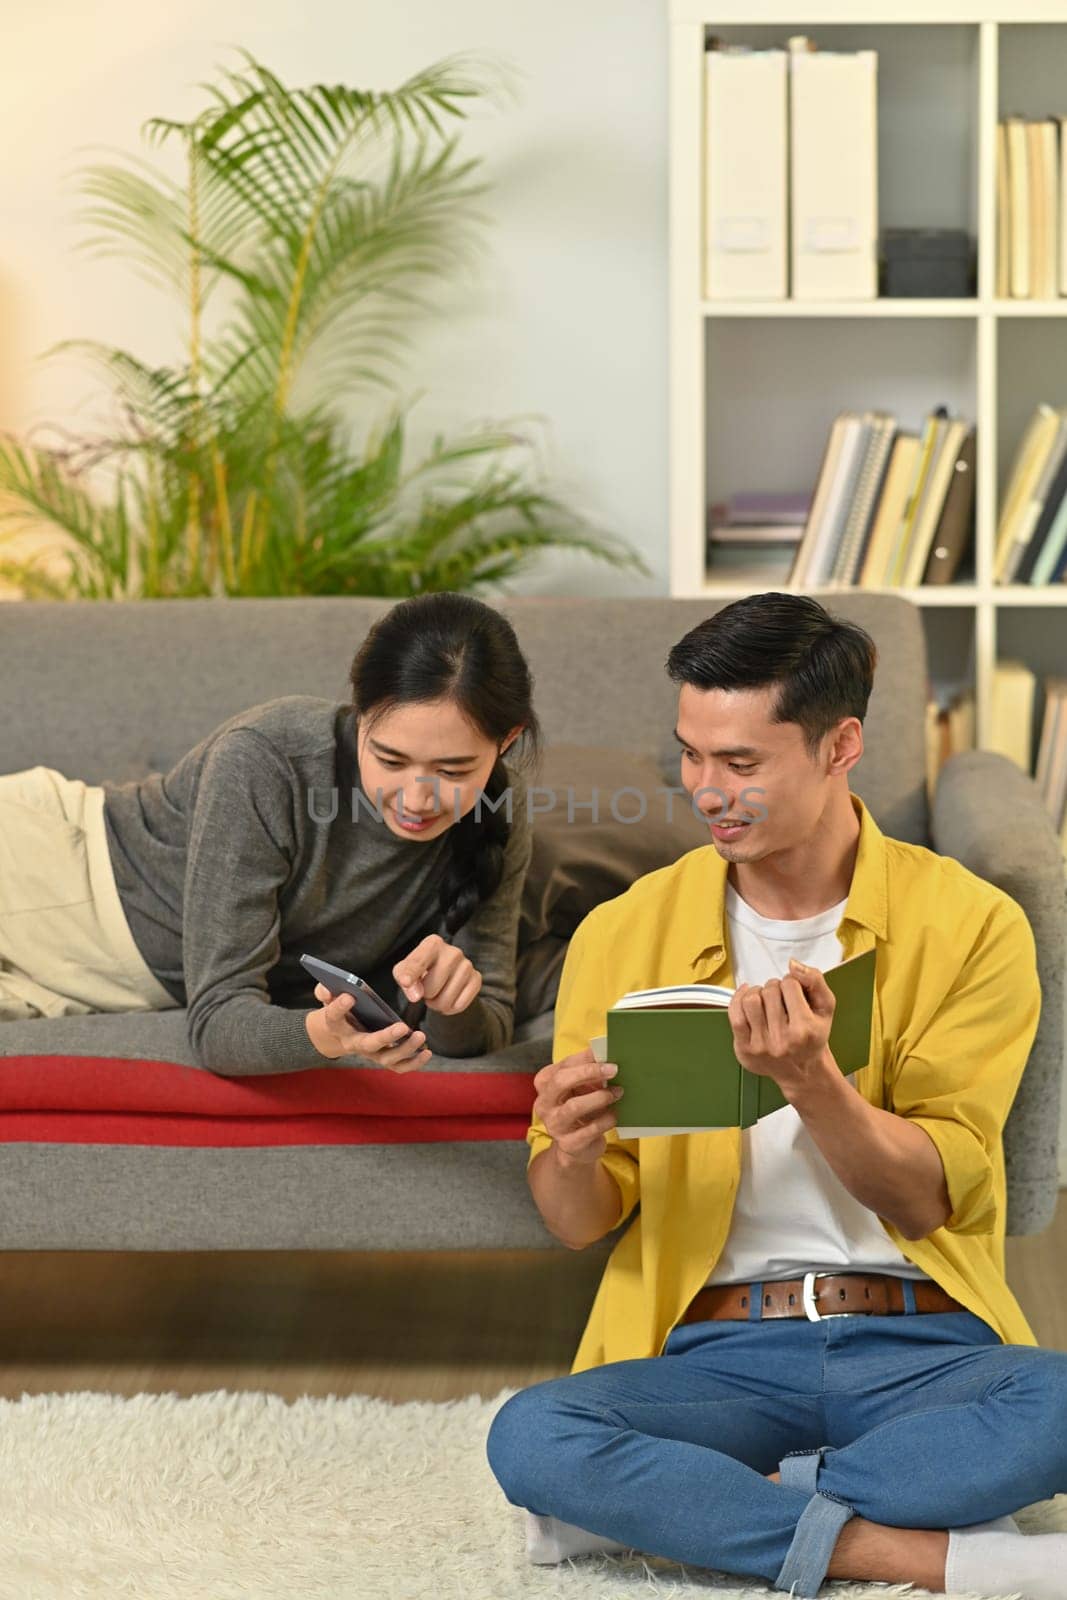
(729, 745)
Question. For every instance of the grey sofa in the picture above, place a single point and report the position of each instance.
(103, 690)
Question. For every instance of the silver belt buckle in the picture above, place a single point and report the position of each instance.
(811, 1310)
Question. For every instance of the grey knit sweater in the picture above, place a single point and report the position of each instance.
(245, 856)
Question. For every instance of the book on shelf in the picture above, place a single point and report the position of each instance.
(1051, 773)
(1003, 268)
(1012, 712)
(1051, 766)
(1031, 179)
(674, 1049)
(745, 174)
(785, 509)
(868, 484)
(949, 727)
(1018, 208)
(758, 519)
(933, 432)
(1061, 123)
(1031, 538)
(889, 508)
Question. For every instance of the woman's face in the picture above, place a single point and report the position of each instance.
(429, 764)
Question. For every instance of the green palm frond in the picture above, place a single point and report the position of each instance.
(326, 216)
(36, 491)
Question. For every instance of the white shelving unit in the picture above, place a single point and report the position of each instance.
(755, 385)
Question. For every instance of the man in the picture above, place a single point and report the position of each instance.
(730, 1405)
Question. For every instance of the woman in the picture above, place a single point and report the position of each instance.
(362, 833)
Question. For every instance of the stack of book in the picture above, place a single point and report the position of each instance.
(950, 728)
(756, 532)
(791, 173)
(1031, 542)
(891, 509)
(1031, 209)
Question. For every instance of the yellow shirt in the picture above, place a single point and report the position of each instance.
(955, 1011)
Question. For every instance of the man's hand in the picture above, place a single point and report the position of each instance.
(439, 973)
(574, 1101)
(781, 1028)
(333, 1036)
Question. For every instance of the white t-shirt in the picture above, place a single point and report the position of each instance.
(792, 1213)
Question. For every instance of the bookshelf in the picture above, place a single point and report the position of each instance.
(743, 373)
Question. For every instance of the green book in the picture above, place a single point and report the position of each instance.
(674, 1048)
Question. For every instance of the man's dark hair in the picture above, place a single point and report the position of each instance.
(823, 665)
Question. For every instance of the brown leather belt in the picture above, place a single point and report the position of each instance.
(817, 1295)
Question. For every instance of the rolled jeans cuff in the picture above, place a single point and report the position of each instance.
(820, 1523)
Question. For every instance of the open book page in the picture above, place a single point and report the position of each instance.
(676, 994)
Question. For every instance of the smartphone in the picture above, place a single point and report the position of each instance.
(370, 1010)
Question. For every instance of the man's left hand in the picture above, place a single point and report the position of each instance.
(440, 974)
(781, 1027)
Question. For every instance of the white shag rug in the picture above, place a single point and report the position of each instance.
(250, 1497)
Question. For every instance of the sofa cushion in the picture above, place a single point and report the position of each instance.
(580, 856)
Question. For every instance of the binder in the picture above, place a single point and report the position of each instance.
(834, 171)
(933, 502)
(957, 519)
(745, 175)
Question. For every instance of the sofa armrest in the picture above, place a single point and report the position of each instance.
(989, 815)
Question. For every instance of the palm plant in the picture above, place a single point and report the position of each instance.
(305, 228)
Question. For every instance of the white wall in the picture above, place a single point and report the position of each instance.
(567, 319)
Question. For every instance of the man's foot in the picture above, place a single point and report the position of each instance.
(548, 1540)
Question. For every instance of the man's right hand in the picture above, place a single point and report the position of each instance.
(333, 1036)
(575, 1102)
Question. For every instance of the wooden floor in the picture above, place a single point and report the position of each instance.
(401, 1327)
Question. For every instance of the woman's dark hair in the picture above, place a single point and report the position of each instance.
(453, 647)
(823, 665)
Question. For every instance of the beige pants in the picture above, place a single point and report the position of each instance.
(65, 945)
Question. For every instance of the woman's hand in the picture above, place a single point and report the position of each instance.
(440, 974)
(333, 1035)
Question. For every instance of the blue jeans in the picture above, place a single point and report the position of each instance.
(918, 1420)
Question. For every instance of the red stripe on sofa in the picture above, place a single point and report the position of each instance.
(116, 1128)
(56, 1083)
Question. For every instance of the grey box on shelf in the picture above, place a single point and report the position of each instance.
(927, 263)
